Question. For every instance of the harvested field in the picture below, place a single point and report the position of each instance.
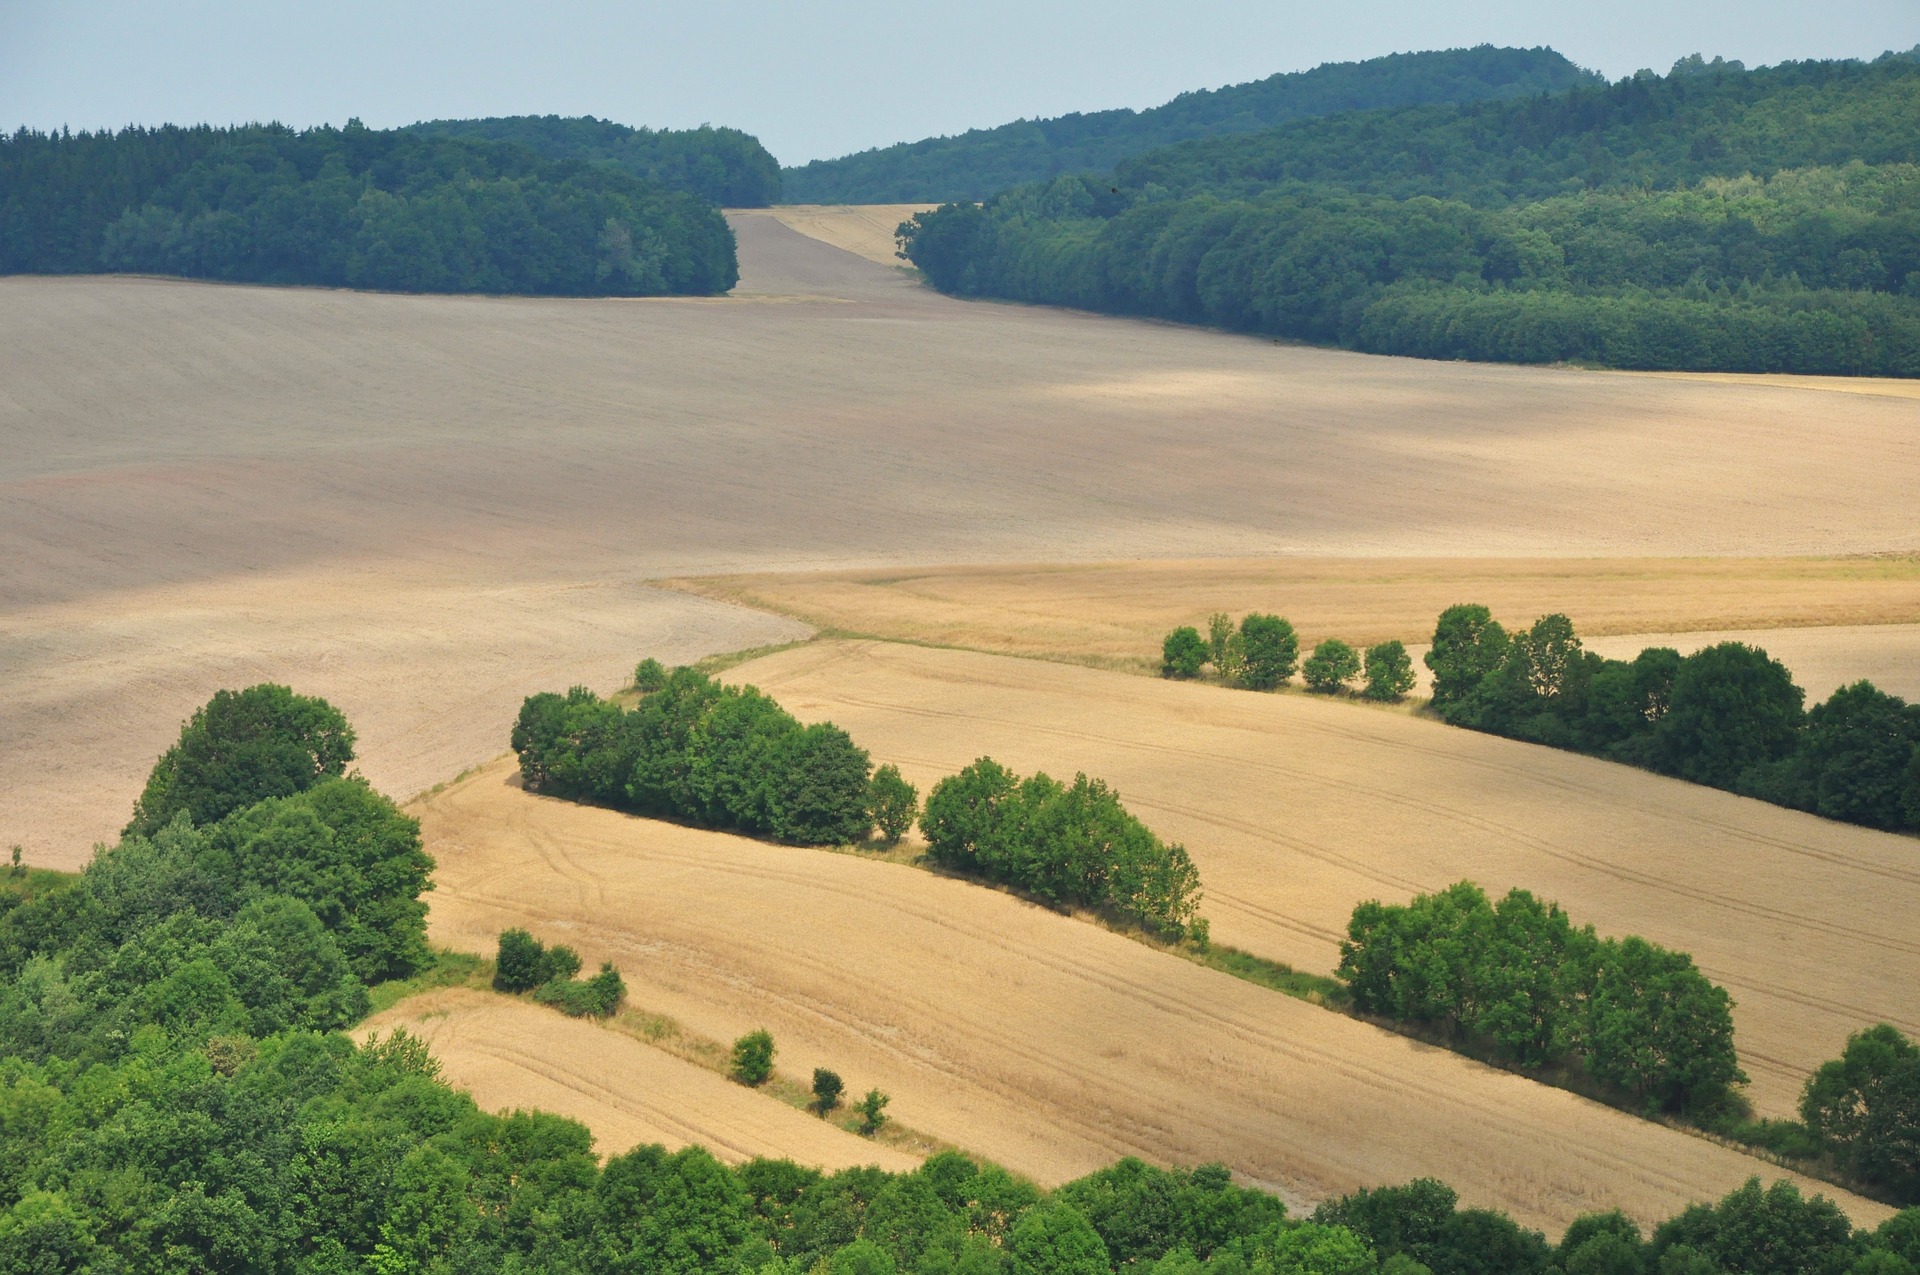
(1822, 660)
(866, 230)
(510, 1054)
(1295, 808)
(1047, 1044)
(398, 499)
(1114, 614)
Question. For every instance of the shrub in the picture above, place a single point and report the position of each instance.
(560, 961)
(1184, 653)
(519, 965)
(650, 675)
(1331, 666)
(1269, 651)
(827, 1088)
(752, 1059)
(1389, 671)
(872, 1109)
(243, 747)
(596, 997)
(892, 803)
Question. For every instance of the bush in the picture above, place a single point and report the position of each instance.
(243, 747)
(1184, 653)
(650, 675)
(872, 1109)
(596, 997)
(1269, 651)
(519, 965)
(752, 1060)
(1331, 666)
(827, 1088)
(892, 804)
(1389, 671)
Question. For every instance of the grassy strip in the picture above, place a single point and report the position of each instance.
(449, 969)
(1320, 989)
(25, 883)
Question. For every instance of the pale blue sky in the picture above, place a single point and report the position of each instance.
(811, 79)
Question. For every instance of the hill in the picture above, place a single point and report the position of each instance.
(1046, 1044)
(976, 164)
(351, 207)
(723, 166)
(1715, 220)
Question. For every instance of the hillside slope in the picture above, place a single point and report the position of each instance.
(980, 162)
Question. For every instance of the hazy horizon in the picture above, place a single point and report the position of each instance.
(810, 80)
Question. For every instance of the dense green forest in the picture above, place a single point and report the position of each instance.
(350, 207)
(1728, 716)
(1713, 218)
(723, 166)
(981, 162)
(176, 1096)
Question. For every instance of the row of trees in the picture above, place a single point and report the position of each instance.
(975, 164)
(1263, 653)
(1071, 845)
(352, 207)
(721, 166)
(719, 756)
(523, 964)
(1517, 978)
(1728, 716)
(1765, 221)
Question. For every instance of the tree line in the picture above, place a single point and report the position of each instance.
(350, 207)
(1763, 221)
(1516, 978)
(1263, 652)
(1728, 716)
(721, 166)
(975, 164)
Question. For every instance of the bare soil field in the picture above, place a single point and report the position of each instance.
(1296, 808)
(866, 230)
(399, 498)
(1047, 1044)
(1114, 614)
(510, 1054)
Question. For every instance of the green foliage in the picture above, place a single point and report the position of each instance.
(523, 964)
(1068, 845)
(827, 1088)
(1758, 221)
(1468, 646)
(1389, 671)
(1864, 1108)
(402, 211)
(596, 997)
(1732, 708)
(721, 166)
(892, 803)
(650, 675)
(979, 162)
(719, 756)
(752, 1059)
(519, 965)
(1331, 666)
(1184, 653)
(243, 747)
(1764, 1231)
(1270, 651)
(1225, 650)
(1516, 978)
(872, 1108)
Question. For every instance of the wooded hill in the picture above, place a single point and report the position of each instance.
(1711, 219)
(981, 162)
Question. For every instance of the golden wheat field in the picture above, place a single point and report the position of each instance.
(1296, 808)
(511, 1054)
(866, 230)
(1045, 1043)
(423, 507)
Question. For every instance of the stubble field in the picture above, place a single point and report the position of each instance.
(1045, 1043)
(426, 506)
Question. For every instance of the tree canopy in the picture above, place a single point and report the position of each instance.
(721, 166)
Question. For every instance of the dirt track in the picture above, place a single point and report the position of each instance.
(1295, 809)
(394, 498)
(510, 1054)
(1042, 1042)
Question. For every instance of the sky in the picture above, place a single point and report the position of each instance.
(810, 79)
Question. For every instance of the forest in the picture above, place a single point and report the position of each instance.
(176, 1095)
(723, 166)
(981, 162)
(1711, 219)
(350, 207)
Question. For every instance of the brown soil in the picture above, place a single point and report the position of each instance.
(513, 1055)
(1296, 808)
(1047, 1044)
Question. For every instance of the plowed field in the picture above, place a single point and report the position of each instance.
(1045, 1043)
(1295, 808)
